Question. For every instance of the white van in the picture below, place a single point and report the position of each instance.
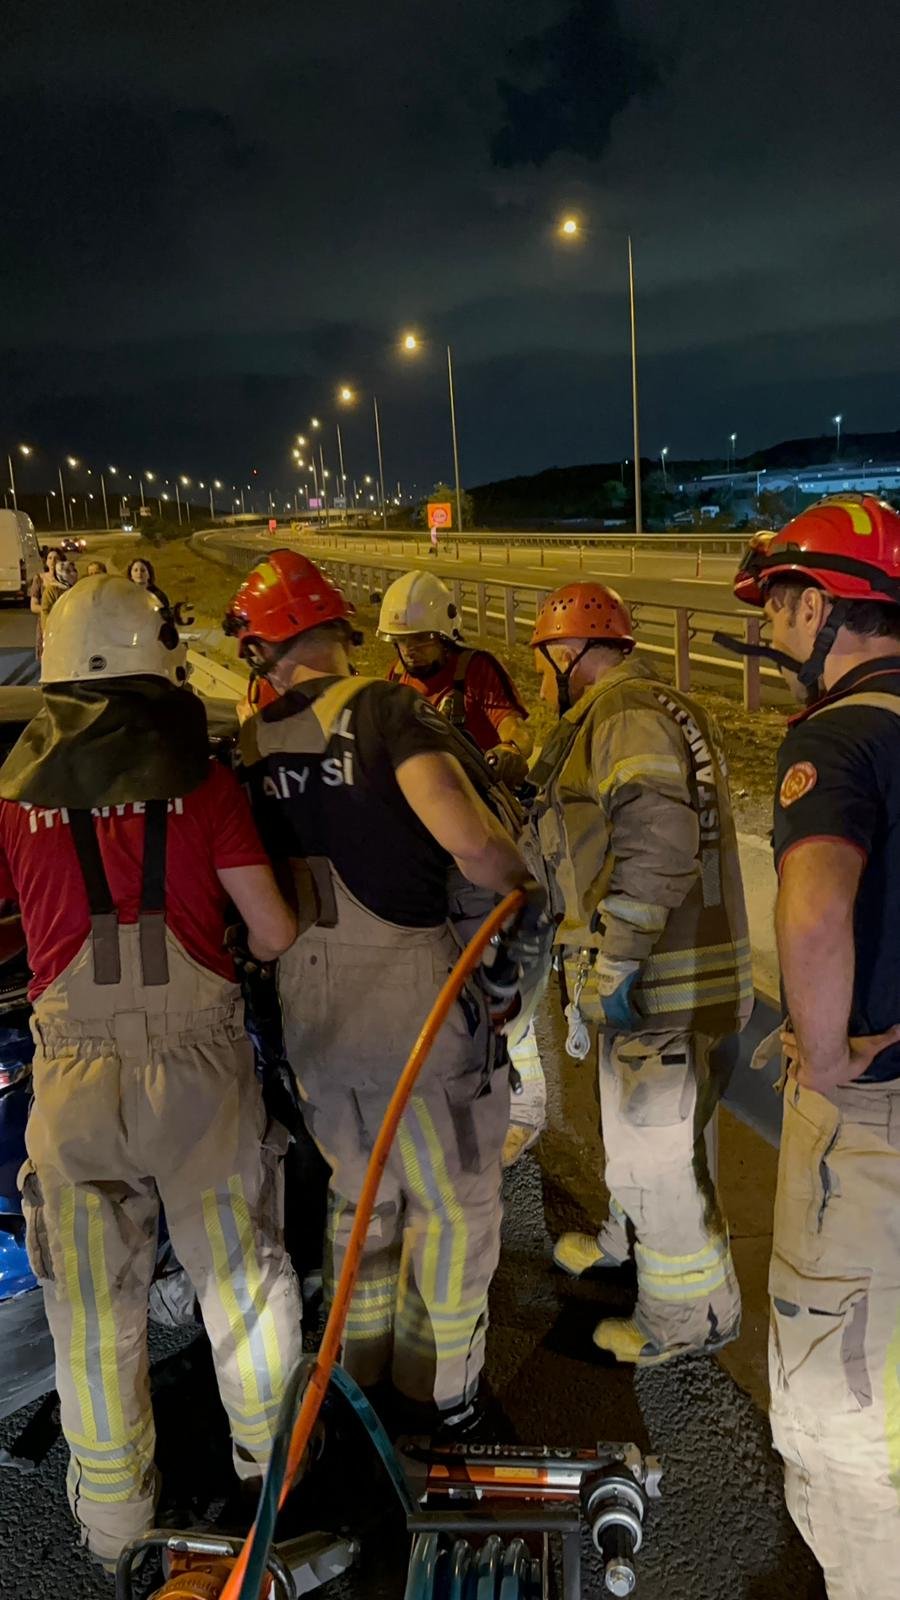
(20, 556)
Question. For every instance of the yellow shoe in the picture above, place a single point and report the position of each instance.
(580, 1252)
(518, 1140)
(622, 1337)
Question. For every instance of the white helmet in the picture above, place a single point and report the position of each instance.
(106, 627)
(418, 603)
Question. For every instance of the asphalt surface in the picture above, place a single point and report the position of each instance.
(720, 1531)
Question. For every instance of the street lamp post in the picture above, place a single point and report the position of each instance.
(62, 495)
(638, 510)
(380, 462)
(732, 440)
(837, 422)
(341, 464)
(105, 508)
(662, 456)
(569, 228)
(455, 441)
(177, 501)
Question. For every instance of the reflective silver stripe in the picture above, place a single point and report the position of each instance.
(238, 1273)
(92, 1368)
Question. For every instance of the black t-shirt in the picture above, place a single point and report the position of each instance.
(839, 778)
(346, 803)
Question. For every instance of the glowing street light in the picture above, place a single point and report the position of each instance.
(569, 227)
(662, 456)
(732, 440)
(314, 422)
(24, 450)
(72, 460)
(837, 422)
(411, 343)
(346, 395)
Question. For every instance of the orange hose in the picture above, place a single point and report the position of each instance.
(317, 1386)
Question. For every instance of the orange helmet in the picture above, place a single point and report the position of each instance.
(284, 595)
(583, 611)
(849, 545)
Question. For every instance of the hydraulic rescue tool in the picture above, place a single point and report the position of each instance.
(481, 1517)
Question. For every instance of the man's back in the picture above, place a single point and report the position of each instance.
(208, 829)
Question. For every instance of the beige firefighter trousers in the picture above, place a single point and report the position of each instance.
(354, 999)
(142, 1097)
(657, 1096)
(834, 1353)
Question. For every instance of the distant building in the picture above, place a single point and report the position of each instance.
(869, 477)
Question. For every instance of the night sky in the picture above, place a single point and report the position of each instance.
(213, 214)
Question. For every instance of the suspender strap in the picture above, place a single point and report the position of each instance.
(104, 917)
(152, 917)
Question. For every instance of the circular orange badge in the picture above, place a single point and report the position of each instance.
(797, 781)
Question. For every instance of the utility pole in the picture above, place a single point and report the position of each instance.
(455, 443)
(638, 511)
(380, 463)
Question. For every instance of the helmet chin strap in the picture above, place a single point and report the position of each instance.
(808, 672)
(564, 675)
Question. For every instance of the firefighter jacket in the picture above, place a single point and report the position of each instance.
(636, 826)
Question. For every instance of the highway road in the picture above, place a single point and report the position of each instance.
(720, 1532)
(659, 583)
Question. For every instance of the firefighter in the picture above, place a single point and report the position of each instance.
(636, 824)
(470, 687)
(122, 843)
(353, 785)
(830, 586)
(473, 690)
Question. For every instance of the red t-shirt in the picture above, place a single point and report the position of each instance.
(210, 828)
(489, 697)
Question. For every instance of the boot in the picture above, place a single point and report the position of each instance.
(622, 1337)
(578, 1253)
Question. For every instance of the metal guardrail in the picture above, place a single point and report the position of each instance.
(508, 607)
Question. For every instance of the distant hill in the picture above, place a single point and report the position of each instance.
(597, 490)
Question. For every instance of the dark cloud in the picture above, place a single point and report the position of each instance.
(570, 81)
(214, 215)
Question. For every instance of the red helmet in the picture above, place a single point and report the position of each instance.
(284, 595)
(848, 545)
(583, 611)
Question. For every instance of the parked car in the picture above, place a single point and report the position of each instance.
(72, 547)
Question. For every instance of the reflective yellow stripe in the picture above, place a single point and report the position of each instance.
(213, 1224)
(446, 1231)
(641, 769)
(643, 914)
(713, 1251)
(690, 996)
(106, 1326)
(114, 1449)
(265, 1322)
(78, 1335)
(684, 963)
(892, 1404)
(688, 1277)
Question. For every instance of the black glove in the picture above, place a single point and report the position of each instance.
(517, 954)
(509, 764)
